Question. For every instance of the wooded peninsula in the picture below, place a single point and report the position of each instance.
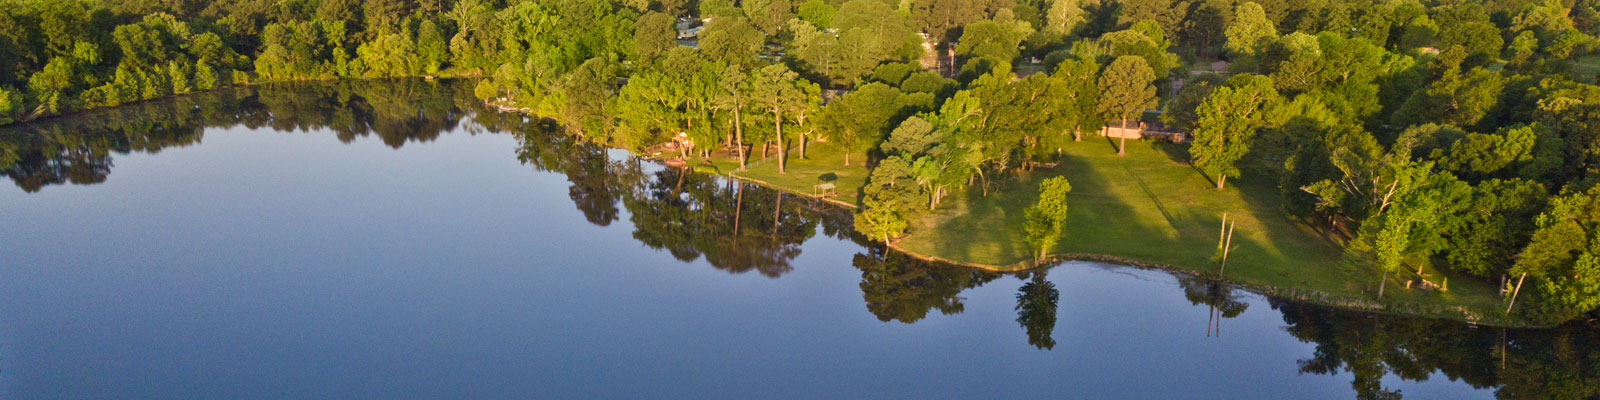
(1427, 157)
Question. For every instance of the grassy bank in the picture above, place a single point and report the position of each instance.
(824, 162)
(1149, 208)
(1152, 207)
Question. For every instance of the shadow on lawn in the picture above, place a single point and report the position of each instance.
(1179, 153)
(1293, 237)
(1108, 223)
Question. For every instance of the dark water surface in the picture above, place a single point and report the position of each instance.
(396, 240)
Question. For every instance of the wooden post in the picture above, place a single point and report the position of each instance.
(1384, 280)
(1227, 245)
(738, 208)
(1515, 292)
(1224, 232)
(1211, 315)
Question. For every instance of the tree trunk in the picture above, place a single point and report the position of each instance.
(777, 126)
(1123, 143)
(777, 211)
(1381, 282)
(738, 135)
(1220, 180)
(1077, 136)
(801, 120)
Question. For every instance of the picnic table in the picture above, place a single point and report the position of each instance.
(824, 189)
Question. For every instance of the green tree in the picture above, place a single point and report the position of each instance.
(1079, 80)
(1146, 41)
(476, 42)
(10, 107)
(768, 16)
(1456, 98)
(1411, 231)
(870, 33)
(1046, 218)
(1227, 121)
(1181, 112)
(989, 43)
(1497, 224)
(653, 35)
(1250, 31)
(816, 12)
(1564, 255)
(778, 96)
(942, 18)
(733, 97)
(586, 95)
(731, 40)
(1126, 90)
(647, 106)
(432, 51)
(1468, 26)
(1065, 16)
(864, 114)
(392, 54)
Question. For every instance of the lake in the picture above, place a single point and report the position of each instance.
(397, 239)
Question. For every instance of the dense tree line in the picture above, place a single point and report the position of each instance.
(1423, 143)
(1444, 134)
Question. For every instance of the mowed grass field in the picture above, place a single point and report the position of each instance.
(1151, 206)
(824, 162)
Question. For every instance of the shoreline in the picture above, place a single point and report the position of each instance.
(1321, 298)
(1457, 313)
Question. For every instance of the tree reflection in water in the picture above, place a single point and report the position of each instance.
(737, 227)
(901, 288)
(78, 149)
(1220, 298)
(1036, 310)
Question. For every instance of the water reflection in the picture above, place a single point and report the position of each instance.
(1221, 300)
(741, 228)
(901, 288)
(79, 149)
(1036, 310)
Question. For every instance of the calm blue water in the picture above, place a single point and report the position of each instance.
(262, 253)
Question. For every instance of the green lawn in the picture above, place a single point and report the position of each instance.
(823, 162)
(1151, 207)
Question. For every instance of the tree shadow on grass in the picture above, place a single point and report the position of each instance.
(1145, 188)
(1293, 238)
(1111, 141)
(1179, 153)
